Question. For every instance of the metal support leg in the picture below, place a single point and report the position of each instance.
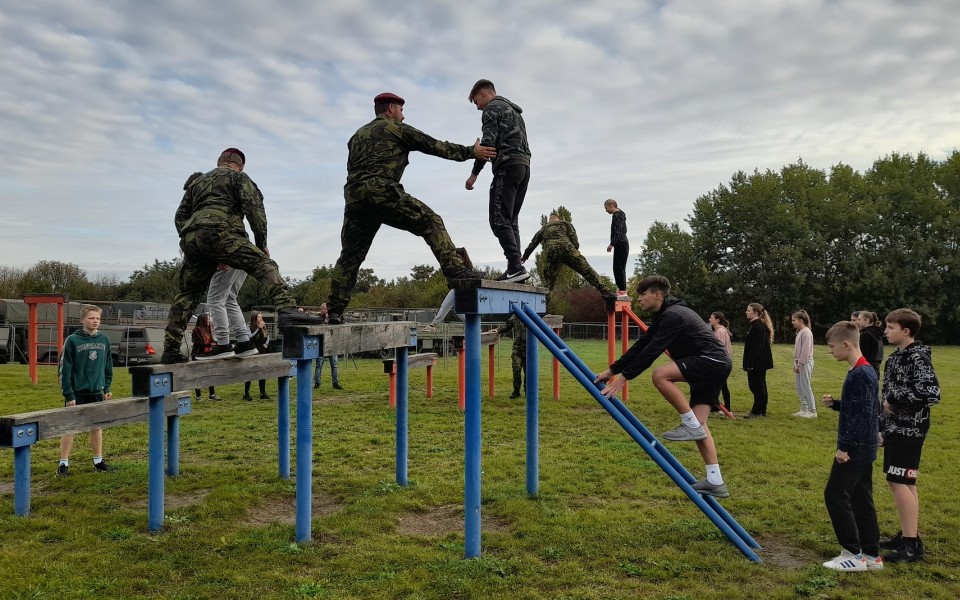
(403, 403)
(533, 414)
(21, 480)
(304, 451)
(471, 380)
(155, 455)
(283, 427)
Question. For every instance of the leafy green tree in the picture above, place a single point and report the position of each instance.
(158, 282)
(55, 277)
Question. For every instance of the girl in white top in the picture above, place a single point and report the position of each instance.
(803, 364)
(720, 325)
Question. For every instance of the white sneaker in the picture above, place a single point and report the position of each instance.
(808, 415)
(874, 563)
(847, 561)
(799, 413)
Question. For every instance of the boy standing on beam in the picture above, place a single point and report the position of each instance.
(698, 359)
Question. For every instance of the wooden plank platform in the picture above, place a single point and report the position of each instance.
(350, 338)
(204, 373)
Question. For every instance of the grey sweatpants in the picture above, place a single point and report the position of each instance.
(804, 390)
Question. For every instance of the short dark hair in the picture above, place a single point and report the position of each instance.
(906, 319)
(657, 283)
(381, 107)
(483, 84)
(844, 331)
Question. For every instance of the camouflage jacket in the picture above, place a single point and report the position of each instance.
(518, 329)
(504, 129)
(553, 235)
(378, 156)
(221, 198)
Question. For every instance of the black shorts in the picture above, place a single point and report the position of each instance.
(901, 462)
(85, 398)
(705, 376)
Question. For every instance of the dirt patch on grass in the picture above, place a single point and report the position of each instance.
(444, 520)
(6, 488)
(175, 501)
(284, 510)
(778, 552)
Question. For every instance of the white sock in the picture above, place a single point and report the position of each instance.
(690, 420)
(713, 474)
(97, 460)
(65, 462)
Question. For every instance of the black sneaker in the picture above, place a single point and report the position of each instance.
(514, 395)
(215, 397)
(608, 295)
(172, 357)
(514, 275)
(337, 386)
(316, 386)
(909, 550)
(63, 471)
(248, 397)
(217, 352)
(265, 396)
(334, 319)
(244, 349)
(290, 316)
(892, 542)
(466, 273)
(103, 467)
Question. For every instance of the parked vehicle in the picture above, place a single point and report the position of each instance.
(135, 345)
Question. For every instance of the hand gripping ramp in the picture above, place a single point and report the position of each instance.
(635, 429)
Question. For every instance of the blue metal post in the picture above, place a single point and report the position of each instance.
(533, 413)
(656, 455)
(402, 414)
(666, 454)
(471, 496)
(283, 426)
(155, 450)
(21, 480)
(304, 451)
(173, 445)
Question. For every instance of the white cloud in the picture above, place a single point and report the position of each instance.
(107, 107)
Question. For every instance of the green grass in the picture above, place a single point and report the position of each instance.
(607, 522)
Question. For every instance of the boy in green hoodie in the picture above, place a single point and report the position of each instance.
(85, 372)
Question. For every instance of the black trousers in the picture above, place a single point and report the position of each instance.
(725, 390)
(507, 191)
(621, 252)
(849, 500)
(757, 380)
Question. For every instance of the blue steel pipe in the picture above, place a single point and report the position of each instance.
(620, 406)
(471, 467)
(304, 451)
(588, 384)
(155, 464)
(21, 480)
(283, 427)
(402, 412)
(533, 414)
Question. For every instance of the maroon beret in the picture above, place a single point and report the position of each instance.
(243, 158)
(388, 98)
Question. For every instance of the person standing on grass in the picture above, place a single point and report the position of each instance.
(721, 329)
(849, 491)
(619, 245)
(758, 357)
(334, 361)
(518, 353)
(871, 338)
(203, 345)
(910, 388)
(803, 365)
(698, 359)
(260, 339)
(85, 373)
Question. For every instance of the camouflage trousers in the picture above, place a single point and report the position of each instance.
(558, 255)
(518, 359)
(203, 250)
(361, 222)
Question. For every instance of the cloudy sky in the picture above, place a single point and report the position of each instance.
(106, 107)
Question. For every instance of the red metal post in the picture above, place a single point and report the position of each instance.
(393, 386)
(624, 344)
(429, 381)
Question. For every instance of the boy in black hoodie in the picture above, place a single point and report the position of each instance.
(910, 388)
(699, 359)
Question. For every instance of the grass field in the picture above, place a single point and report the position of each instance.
(608, 523)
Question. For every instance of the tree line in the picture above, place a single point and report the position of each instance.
(826, 242)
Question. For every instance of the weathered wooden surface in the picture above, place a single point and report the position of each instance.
(487, 338)
(553, 321)
(350, 338)
(424, 359)
(57, 422)
(204, 373)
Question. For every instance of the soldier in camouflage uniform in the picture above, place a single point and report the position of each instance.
(561, 247)
(518, 355)
(374, 197)
(504, 129)
(210, 223)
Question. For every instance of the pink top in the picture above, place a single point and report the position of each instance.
(803, 347)
(724, 336)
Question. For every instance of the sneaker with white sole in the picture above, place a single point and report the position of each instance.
(710, 489)
(847, 561)
(809, 415)
(217, 352)
(514, 275)
(799, 413)
(244, 349)
(874, 563)
(682, 433)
